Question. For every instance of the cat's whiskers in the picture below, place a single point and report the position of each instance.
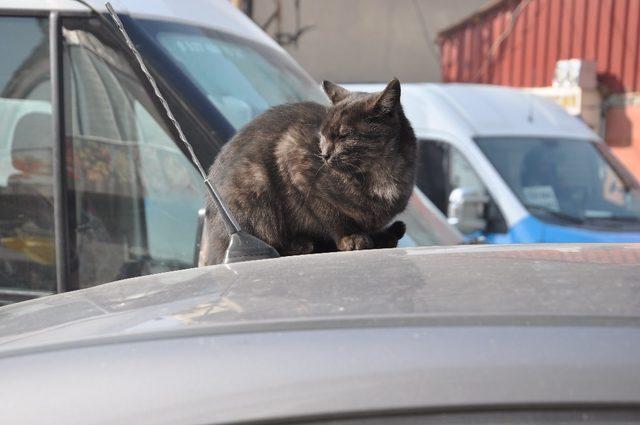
(324, 160)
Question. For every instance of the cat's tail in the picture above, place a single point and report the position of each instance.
(389, 237)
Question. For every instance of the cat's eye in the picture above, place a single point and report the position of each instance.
(343, 132)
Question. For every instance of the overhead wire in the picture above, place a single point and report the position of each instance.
(425, 29)
(501, 38)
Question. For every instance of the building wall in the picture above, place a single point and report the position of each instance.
(623, 132)
(365, 40)
(517, 43)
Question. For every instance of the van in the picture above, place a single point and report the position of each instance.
(507, 166)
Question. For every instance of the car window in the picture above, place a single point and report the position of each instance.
(135, 195)
(27, 248)
(441, 169)
(461, 174)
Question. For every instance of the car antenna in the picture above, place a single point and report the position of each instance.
(242, 246)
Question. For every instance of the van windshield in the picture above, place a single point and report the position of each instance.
(242, 78)
(566, 181)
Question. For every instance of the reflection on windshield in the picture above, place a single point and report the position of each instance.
(563, 179)
(240, 78)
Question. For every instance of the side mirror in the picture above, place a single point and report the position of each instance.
(466, 210)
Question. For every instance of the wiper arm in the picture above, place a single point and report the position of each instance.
(557, 214)
(623, 218)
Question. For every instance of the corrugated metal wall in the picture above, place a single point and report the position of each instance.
(539, 33)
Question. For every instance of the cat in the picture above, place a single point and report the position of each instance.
(306, 177)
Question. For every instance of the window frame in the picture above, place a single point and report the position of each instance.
(60, 213)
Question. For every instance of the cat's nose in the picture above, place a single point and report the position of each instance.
(326, 155)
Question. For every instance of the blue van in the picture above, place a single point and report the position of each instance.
(506, 166)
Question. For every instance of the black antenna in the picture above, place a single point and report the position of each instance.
(242, 246)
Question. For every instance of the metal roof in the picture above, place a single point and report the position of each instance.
(484, 110)
(470, 281)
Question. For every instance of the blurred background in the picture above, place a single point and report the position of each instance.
(505, 42)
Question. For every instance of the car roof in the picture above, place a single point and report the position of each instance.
(452, 283)
(479, 110)
(332, 336)
(216, 14)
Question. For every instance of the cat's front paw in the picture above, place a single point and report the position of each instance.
(355, 242)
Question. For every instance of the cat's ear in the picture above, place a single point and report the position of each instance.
(334, 91)
(389, 98)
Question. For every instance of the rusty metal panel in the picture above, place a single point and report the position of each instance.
(530, 43)
(492, 70)
(486, 35)
(518, 51)
(547, 30)
(632, 47)
(542, 37)
(565, 34)
(623, 135)
(617, 45)
(553, 40)
(578, 32)
(507, 52)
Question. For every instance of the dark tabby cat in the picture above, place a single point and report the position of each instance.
(308, 178)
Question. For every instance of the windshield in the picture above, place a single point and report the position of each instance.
(240, 77)
(565, 180)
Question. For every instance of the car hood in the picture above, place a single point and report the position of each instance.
(340, 289)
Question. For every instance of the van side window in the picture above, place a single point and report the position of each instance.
(27, 256)
(134, 194)
(442, 168)
(432, 171)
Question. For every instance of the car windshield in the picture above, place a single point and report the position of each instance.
(240, 77)
(565, 180)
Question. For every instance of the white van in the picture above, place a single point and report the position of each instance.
(511, 167)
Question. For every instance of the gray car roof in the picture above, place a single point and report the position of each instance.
(327, 290)
(331, 336)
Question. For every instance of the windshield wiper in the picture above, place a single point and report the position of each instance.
(621, 218)
(557, 214)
